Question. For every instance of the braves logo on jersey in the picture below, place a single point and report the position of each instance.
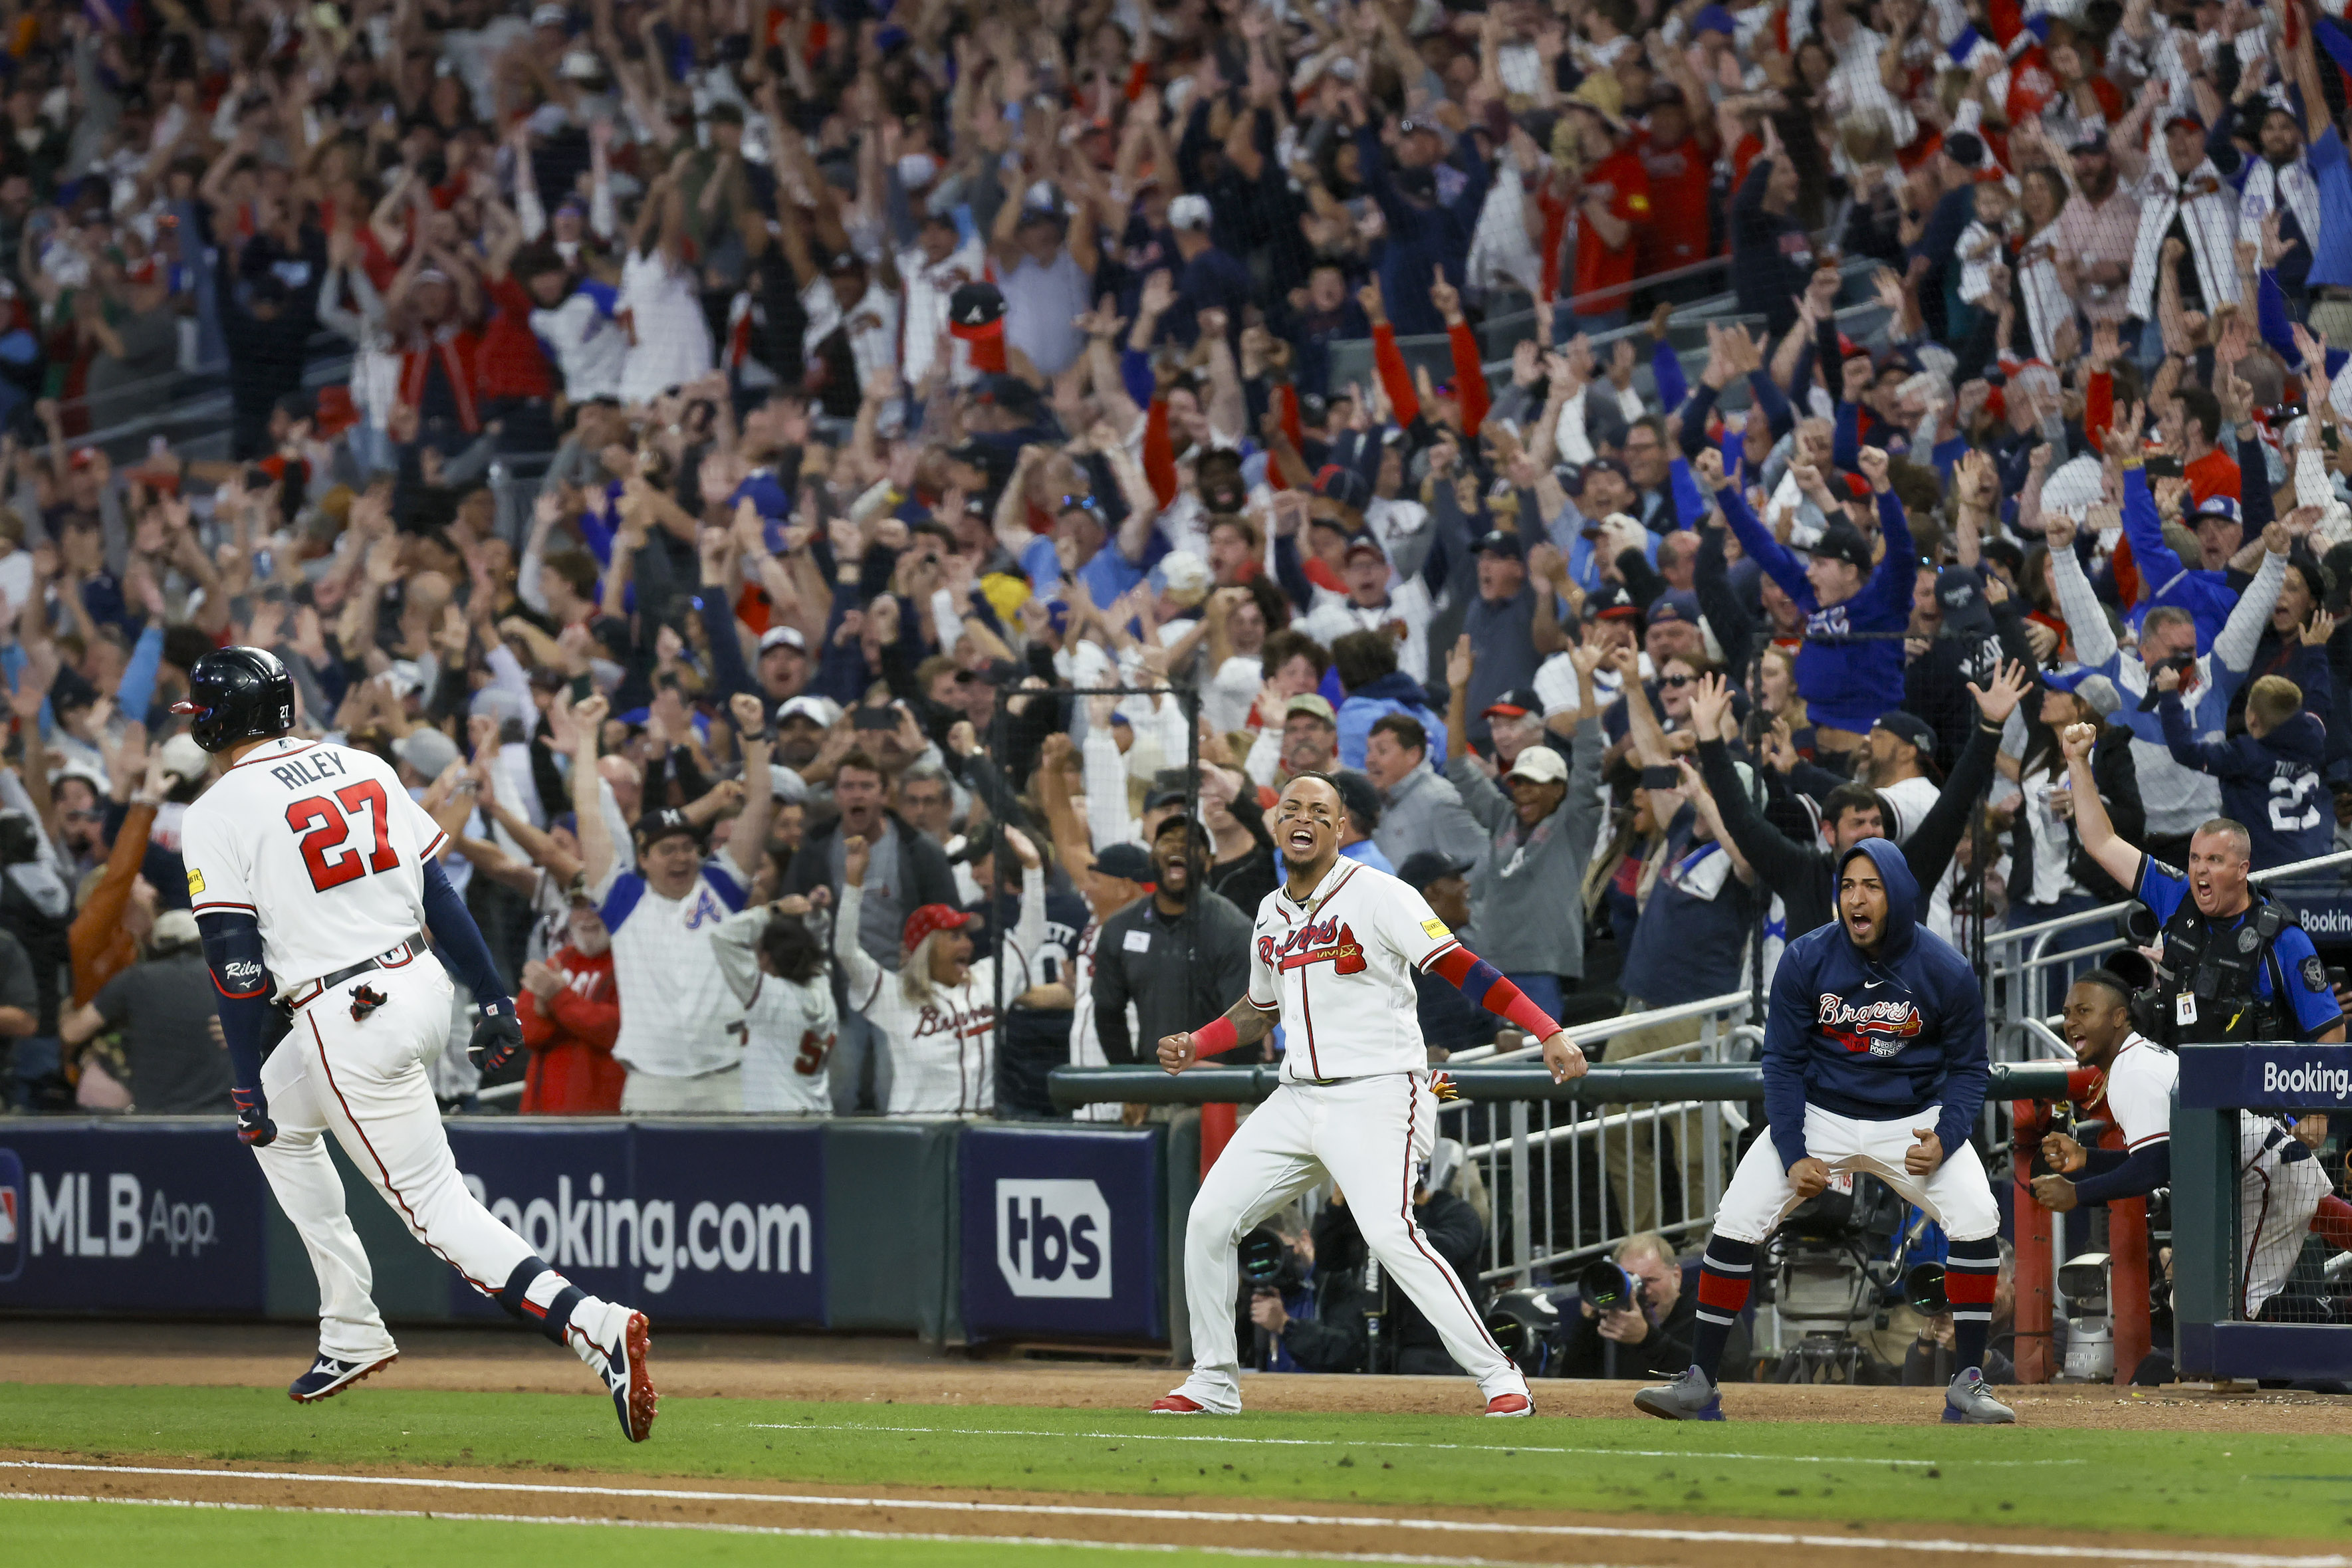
(1329, 941)
(1881, 1028)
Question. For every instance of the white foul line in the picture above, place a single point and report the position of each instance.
(1209, 1516)
(1351, 1443)
(721, 1527)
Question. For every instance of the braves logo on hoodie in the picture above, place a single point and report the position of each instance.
(1879, 1028)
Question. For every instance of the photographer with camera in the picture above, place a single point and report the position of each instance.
(1632, 1317)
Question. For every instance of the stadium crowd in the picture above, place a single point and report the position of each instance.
(846, 513)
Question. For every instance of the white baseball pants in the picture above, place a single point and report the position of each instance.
(1370, 1137)
(364, 1081)
(1955, 1192)
(2276, 1197)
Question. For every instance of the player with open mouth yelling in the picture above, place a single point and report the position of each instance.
(1874, 1061)
(1332, 959)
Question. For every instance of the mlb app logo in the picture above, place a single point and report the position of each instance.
(1053, 1238)
(12, 1230)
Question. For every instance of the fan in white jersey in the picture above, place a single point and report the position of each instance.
(311, 876)
(1333, 961)
(776, 969)
(937, 1013)
(2279, 1184)
(681, 1024)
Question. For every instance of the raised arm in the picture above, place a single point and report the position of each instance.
(2091, 826)
(747, 846)
(597, 850)
(862, 973)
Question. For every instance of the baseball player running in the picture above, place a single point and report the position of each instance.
(1333, 956)
(312, 878)
(1874, 1061)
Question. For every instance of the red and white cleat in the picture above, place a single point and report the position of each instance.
(1177, 1404)
(1510, 1405)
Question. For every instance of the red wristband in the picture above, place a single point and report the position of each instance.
(1212, 1038)
(1527, 1015)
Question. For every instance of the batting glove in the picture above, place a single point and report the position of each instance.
(497, 1037)
(254, 1127)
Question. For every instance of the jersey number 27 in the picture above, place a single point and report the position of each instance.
(326, 830)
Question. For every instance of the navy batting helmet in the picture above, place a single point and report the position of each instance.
(238, 694)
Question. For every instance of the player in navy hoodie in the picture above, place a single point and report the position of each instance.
(1874, 1063)
(2270, 775)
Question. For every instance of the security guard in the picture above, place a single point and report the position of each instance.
(2236, 966)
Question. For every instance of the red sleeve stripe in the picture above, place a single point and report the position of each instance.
(219, 903)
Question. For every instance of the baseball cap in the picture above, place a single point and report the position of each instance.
(1965, 613)
(783, 637)
(1495, 541)
(1366, 544)
(822, 712)
(1357, 794)
(1600, 464)
(426, 750)
(1539, 765)
(1312, 705)
(1674, 605)
(2219, 508)
(2186, 116)
(1188, 211)
(1713, 19)
(1842, 543)
(1125, 861)
(1516, 703)
(1907, 727)
(1965, 148)
(183, 759)
(2093, 687)
(1343, 484)
(1610, 601)
(933, 918)
(654, 826)
(1167, 794)
(1424, 866)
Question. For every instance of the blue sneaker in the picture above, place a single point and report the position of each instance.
(1970, 1403)
(329, 1376)
(1690, 1398)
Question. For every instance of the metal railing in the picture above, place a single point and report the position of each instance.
(1543, 1149)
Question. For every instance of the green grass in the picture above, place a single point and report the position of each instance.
(2234, 1485)
(81, 1534)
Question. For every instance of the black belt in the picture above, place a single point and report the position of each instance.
(390, 958)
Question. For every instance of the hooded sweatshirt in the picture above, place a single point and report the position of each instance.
(1875, 1036)
(2271, 785)
(1851, 668)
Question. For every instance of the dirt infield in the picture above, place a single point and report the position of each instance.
(1453, 1535)
(879, 1371)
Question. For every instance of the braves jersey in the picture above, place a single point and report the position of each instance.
(789, 1026)
(1338, 966)
(2139, 1092)
(678, 1018)
(319, 843)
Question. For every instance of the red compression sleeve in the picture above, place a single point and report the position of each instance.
(1469, 378)
(1485, 987)
(1404, 403)
(1215, 1038)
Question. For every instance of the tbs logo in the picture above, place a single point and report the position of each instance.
(12, 1233)
(1053, 1238)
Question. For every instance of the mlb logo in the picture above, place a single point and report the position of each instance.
(12, 1227)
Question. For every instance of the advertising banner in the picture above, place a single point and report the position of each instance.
(145, 1217)
(2267, 1077)
(1062, 1233)
(704, 1223)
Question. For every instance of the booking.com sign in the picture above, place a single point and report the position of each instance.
(12, 1223)
(1052, 1238)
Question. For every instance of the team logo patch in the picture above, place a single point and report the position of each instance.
(1435, 930)
(1329, 941)
(2314, 973)
(195, 883)
(1882, 1029)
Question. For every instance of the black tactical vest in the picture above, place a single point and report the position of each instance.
(2218, 968)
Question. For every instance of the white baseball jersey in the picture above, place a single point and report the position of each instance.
(2139, 1092)
(679, 1017)
(789, 1026)
(1338, 968)
(319, 843)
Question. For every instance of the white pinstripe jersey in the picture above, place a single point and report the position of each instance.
(679, 1017)
(1338, 968)
(319, 843)
(2139, 1092)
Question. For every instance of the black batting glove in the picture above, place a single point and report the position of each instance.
(254, 1127)
(497, 1037)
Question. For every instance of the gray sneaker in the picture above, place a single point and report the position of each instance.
(1970, 1402)
(1690, 1398)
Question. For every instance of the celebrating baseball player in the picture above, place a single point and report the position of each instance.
(1874, 1062)
(312, 878)
(1333, 957)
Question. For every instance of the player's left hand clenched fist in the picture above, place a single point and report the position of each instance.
(1564, 1060)
(1923, 1156)
(254, 1127)
(1178, 1051)
(497, 1037)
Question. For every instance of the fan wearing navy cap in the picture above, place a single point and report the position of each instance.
(1400, 611)
(1851, 668)
(1426, 234)
(1448, 1020)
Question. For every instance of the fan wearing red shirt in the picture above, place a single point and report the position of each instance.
(1677, 156)
(1613, 206)
(2190, 427)
(570, 1013)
